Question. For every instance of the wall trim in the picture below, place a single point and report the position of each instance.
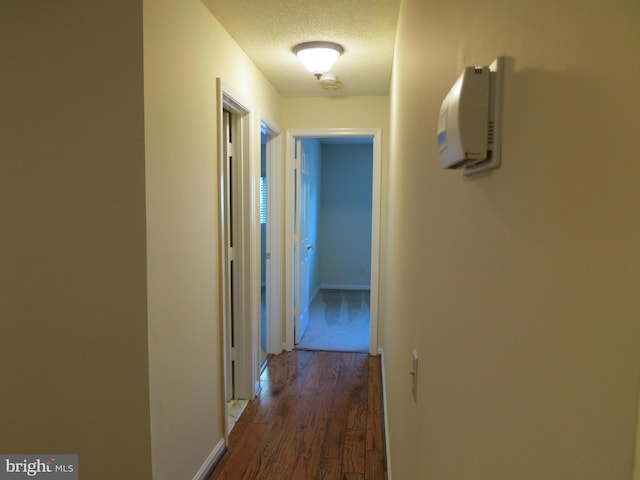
(245, 331)
(274, 266)
(636, 456)
(385, 413)
(331, 286)
(212, 460)
(313, 296)
(376, 206)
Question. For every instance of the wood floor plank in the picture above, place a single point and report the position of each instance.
(374, 407)
(237, 460)
(336, 427)
(353, 457)
(358, 402)
(337, 424)
(314, 379)
(318, 416)
(265, 452)
(374, 440)
(294, 442)
(374, 465)
(299, 372)
(309, 448)
(375, 387)
(331, 369)
(329, 469)
(244, 422)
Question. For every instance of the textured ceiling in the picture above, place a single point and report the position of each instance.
(267, 31)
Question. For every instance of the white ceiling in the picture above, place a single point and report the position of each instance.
(267, 31)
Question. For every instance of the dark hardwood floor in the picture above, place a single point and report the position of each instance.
(318, 416)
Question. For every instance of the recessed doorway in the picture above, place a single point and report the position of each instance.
(234, 123)
(270, 240)
(332, 229)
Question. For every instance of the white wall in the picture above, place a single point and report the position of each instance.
(73, 317)
(345, 227)
(517, 288)
(186, 49)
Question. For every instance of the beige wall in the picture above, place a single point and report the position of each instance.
(185, 51)
(73, 346)
(518, 288)
(336, 112)
(346, 112)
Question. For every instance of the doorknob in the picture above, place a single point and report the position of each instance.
(310, 247)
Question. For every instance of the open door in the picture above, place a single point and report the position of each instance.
(231, 278)
(302, 248)
(265, 287)
(299, 251)
(235, 155)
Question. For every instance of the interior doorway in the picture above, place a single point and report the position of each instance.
(235, 224)
(264, 244)
(358, 296)
(249, 157)
(270, 240)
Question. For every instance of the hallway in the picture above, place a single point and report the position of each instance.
(318, 416)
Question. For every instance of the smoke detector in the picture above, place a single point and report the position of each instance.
(329, 81)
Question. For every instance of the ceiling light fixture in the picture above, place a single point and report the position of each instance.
(318, 57)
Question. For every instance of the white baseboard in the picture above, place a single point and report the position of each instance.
(314, 295)
(331, 286)
(386, 414)
(212, 460)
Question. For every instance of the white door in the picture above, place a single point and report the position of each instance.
(239, 354)
(230, 229)
(302, 247)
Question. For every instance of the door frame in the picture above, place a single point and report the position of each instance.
(291, 135)
(244, 353)
(273, 236)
